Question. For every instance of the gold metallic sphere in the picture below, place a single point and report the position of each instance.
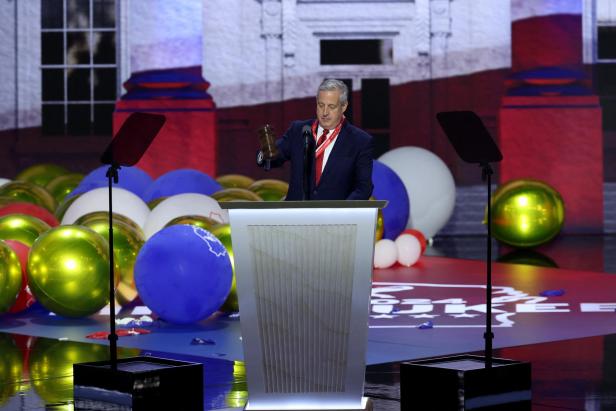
(223, 233)
(41, 174)
(68, 271)
(10, 277)
(22, 227)
(526, 213)
(235, 194)
(62, 185)
(30, 193)
(196, 220)
(128, 238)
(270, 189)
(234, 181)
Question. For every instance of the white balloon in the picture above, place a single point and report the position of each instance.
(385, 253)
(181, 205)
(124, 203)
(429, 184)
(409, 249)
(3, 181)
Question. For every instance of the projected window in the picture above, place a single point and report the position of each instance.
(606, 42)
(356, 51)
(79, 66)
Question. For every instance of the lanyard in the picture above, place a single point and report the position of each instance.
(330, 138)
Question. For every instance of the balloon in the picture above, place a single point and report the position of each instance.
(3, 181)
(124, 203)
(385, 253)
(183, 205)
(11, 368)
(196, 220)
(10, 277)
(128, 238)
(526, 213)
(62, 185)
(223, 233)
(179, 182)
(25, 298)
(429, 184)
(21, 227)
(388, 186)
(409, 249)
(234, 181)
(132, 179)
(235, 194)
(41, 174)
(64, 205)
(380, 229)
(183, 274)
(527, 257)
(68, 271)
(152, 204)
(51, 366)
(419, 236)
(270, 189)
(31, 210)
(30, 193)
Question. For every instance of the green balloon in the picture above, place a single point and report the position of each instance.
(235, 194)
(64, 205)
(196, 220)
(11, 368)
(10, 277)
(128, 238)
(270, 189)
(62, 185)
(234, 181)
(223, 233)
(29, 193)
(22, 227)
(68, 271)
(526, 213)
(41, 174)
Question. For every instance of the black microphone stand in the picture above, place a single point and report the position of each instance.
(112, 176)
(307, 166)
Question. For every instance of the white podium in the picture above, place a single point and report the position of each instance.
(303, 272)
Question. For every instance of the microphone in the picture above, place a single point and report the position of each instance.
(307, 133)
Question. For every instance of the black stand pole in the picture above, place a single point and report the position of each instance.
(486, 174)
(307, 168)
(112, 176)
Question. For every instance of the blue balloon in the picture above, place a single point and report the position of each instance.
(179, 182)
(132, 179)
(183, 274)
(388, 186)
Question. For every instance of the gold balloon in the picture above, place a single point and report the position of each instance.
(10, 277)
(64, 205)
(51, 366)
(128, 238)
(223, 233)
(21, 227)
(235, 194)
(68, 271)
(60, 186)
(380, 225)
(270, 189)
(41, 174)
(235, 181)
(196, 220)
(153, 203)
(11, 368)
(526, 213)
(29, 193)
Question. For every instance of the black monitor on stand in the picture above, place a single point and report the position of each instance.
(179, 384)
(455, 382)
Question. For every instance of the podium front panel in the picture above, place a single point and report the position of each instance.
(303, 282)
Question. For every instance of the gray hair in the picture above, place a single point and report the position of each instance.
(333, 84)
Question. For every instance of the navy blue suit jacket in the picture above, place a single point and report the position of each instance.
(347, 174)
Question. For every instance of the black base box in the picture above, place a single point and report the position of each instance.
(463, 383)
(139, 383)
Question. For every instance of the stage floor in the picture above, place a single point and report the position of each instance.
(434, 308)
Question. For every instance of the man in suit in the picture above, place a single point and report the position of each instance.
(340, 154)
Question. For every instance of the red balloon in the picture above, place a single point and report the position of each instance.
(25, 298)
(418, 235)
(31, 210)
